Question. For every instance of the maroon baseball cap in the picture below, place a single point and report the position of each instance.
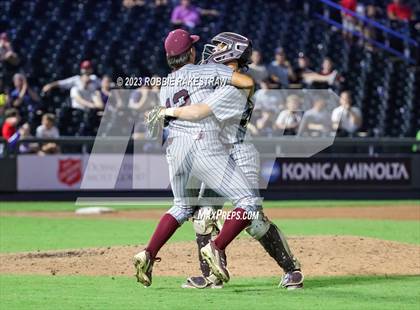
(179, 41)
(86, 64)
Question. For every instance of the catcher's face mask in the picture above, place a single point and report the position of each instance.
(227, 46)
(211, 49)
(206, 54)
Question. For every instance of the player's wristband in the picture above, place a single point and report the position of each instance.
(170, 112)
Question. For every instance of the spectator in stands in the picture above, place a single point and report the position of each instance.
(188, 15)
(10, 124)
(348, 21)
(3, 102)
(161, 2)
(25, 133)
(316, 121)
(76, 80)
(326, 78)
(141, 101)
(24, 98)
(7, 54)
(48, 130)
(268, 100)
(257, 70)
(280, 69)
(268, 103)
(369, 32)
(82, 94)
(102, 95)
(8, 58)
(398, 10)
(2, 110)
(132, 3)
(302, 68)
(345, 118)
(289, 119)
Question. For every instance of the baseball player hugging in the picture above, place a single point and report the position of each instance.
(207, 109)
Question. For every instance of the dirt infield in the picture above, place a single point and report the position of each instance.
(320, 256)
(403, 212)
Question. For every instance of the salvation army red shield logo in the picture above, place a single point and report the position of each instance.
(69, 171)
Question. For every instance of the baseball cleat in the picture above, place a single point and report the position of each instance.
(292, 280)
(202, 282)
(213, 257)
(144, 266)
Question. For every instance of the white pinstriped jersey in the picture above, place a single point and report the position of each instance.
(206, 78)
(233, 109)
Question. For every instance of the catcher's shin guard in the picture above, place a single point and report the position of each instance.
(274, 242)
(202, 241)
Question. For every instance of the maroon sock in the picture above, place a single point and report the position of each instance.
(231, 228)
(165, 229)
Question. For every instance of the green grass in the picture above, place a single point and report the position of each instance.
(338, 203)
(28, 234)
(403, 231)
(82, 292)
(70, 206)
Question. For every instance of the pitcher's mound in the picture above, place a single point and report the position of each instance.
(319, 255)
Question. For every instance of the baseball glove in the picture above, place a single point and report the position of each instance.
(154, 121)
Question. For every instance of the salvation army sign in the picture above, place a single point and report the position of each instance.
(69, 171)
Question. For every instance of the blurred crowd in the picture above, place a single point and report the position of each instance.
(281, 111)
(23, 113)
(397, 15)
(276, 113)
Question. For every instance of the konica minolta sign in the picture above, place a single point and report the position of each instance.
(338, 171)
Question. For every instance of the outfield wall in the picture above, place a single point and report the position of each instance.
(66, 172)
(319, 177)
(349, 169)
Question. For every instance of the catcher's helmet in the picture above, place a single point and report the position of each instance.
(235, 47)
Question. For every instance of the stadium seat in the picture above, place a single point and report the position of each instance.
(53, 37)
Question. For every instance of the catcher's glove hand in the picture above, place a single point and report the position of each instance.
(154, 121)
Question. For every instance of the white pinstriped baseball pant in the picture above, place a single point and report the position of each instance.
(247, 159)
(205, 159)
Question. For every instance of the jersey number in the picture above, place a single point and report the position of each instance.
(179, 99)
